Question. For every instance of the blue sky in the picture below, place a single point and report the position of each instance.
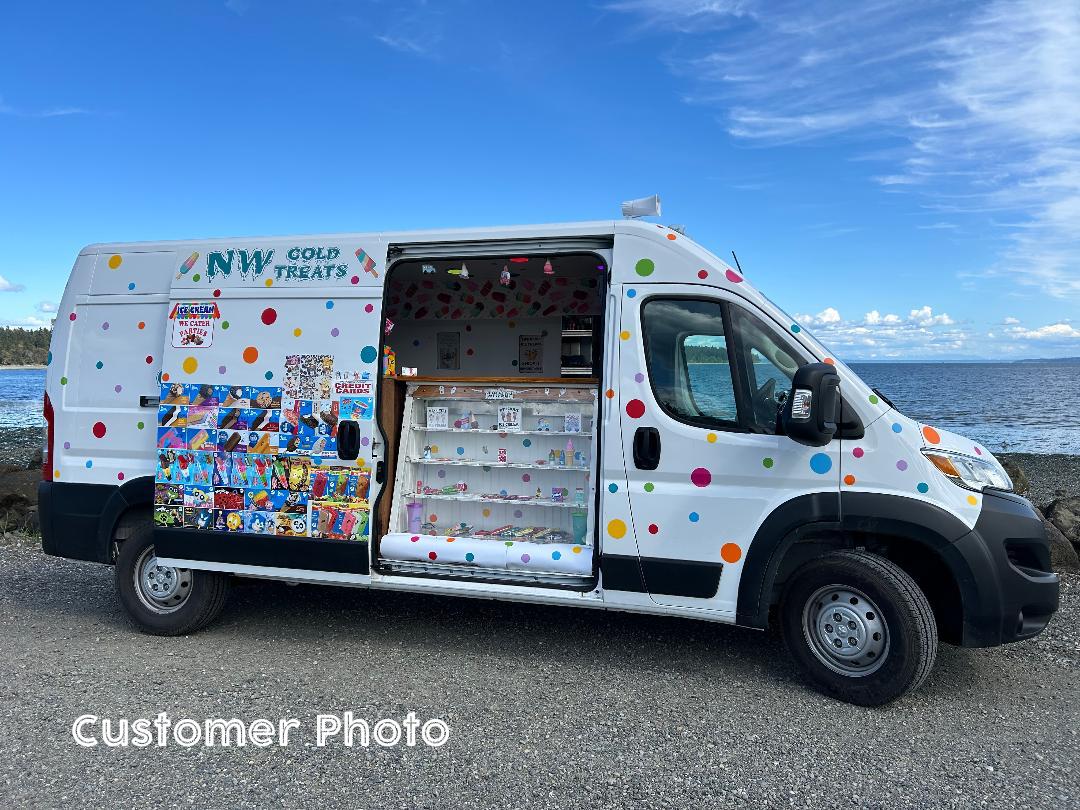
(903, 175)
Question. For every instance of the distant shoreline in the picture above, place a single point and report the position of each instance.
(23, 368)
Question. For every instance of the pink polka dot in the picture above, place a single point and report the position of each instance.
(355, 279)
(857, 452)
(368, 308)
(702, 274)
(732, 276)
(71, 317)
(701, 477)
(635, 409)
(415, 539)
(526, 478)
(119, 476)
(978, 452)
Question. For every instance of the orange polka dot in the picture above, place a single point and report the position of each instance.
(731, 553)
(829, 361)
(609, 394)
(165, 377)
(432, 518)
(251, 354)
(142, 324)
(931, 435)
(672, 237)
(849, 480)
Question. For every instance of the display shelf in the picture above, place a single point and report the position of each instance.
(515, 465)
(501, 501)
(585, 433)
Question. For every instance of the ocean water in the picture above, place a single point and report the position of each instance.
(1013, 407)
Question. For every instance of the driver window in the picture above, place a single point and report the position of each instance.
(768, 364)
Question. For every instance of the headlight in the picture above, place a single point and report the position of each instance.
(969, 472)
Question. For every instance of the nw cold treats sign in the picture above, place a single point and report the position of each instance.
(193, 325)
(298, 263)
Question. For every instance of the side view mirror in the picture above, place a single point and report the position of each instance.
(809, 414)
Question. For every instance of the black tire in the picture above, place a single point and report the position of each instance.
(198, 596)
(887, 655)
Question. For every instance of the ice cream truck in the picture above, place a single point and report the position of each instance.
(599, 415)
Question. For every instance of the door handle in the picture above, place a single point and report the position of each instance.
(646, 448)
(348, 439)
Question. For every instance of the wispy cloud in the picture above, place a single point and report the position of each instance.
(404, 44)
(7, 286)
(980, 100)
(48, 307)
(46, 112)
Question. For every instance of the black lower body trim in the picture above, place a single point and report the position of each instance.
(699, 580)
(621, 574)
(302, 553)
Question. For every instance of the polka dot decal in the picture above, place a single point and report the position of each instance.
(635, 409)
(616, 528)
(897, 427)
(631, 293)
(115, 262)
(901, 465)
(730, 553)
(269, 315)
(858, 452)
(613, 488)
(820, 463)
(653, 528)
(931, 435)
(701, 477)
(649, 486)
(190, 365)
(923, 487)
(873, 399)
(645, 267)
(368, 354)
(767, 463)
(624, 335)
(849, 480)
(251, 355)
(732, 276)
(99, 430)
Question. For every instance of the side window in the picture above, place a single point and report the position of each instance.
(767, 363)
(686, 350)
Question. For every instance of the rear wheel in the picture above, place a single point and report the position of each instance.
(160, 599)
(859, 627)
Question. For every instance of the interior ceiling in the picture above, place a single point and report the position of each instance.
(573, 288)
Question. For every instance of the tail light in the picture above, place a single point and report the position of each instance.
(47, 448)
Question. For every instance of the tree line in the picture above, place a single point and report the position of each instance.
(24, 347)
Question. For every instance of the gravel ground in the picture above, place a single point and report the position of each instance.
(547, 707)
(1049, 476)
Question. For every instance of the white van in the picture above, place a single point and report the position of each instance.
(598, 414)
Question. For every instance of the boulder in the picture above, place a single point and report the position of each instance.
(1017, 474)
(1064, 513)
(1063, 556)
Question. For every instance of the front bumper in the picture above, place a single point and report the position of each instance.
(1012, 592)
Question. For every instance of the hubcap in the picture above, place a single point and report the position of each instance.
(161, 588)
(845, 630)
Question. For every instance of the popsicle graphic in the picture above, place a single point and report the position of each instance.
(366, 262)
(189, 262)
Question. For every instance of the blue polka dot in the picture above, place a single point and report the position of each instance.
(89, 464)
(631, 293)
(526, 442)
(556, 555)
(923, 487)
(897, 427)
(329, 304)
(612, 487)
(368, 354)
(461, 451)
(469, 556)
(131, 286)
(694, 517)
(820, 463)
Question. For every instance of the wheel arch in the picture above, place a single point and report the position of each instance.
(120, 512)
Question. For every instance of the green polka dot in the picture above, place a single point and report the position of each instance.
(509, 543)
(645, 267)
(224, 324)
(140, 425)
(767, 463)
(649, 487)
(873, 399)
(196, 277)
(63, 380)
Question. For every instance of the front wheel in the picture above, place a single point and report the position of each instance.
(160, 599)
(859, 627)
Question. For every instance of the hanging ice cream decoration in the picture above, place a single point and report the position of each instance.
(548, 269)
(462, 272)
(504, 276)
(427, 268)
(389, 326)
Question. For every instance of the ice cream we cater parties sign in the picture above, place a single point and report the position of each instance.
(193, 325)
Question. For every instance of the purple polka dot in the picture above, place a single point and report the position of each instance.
(67, 445)
(365, 441)
(105, 326)
(335, 332)
(442, 473)
(901, 465)
(526, 478)
(639, 377)
(517, 513)
(525, 558)
(118, 388)
(221, 369)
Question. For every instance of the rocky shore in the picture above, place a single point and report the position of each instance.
(1050, 482)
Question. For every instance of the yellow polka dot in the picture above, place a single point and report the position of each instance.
(190, 365)
(55, 473)
(711, 438)
(624, 335)
(298, 331)
(576, 549)
(115, 261)
(434, 448)
(973, 500)
(616, 528)
(487, 513)
(269, 282)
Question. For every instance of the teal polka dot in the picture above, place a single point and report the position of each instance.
(612, 487)
(368, 354)
(99, 364)
(269, 375)
(923, 487)
(526, 442)
(48, 359)
(796, 328)
(461, 451)
(469, 556)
